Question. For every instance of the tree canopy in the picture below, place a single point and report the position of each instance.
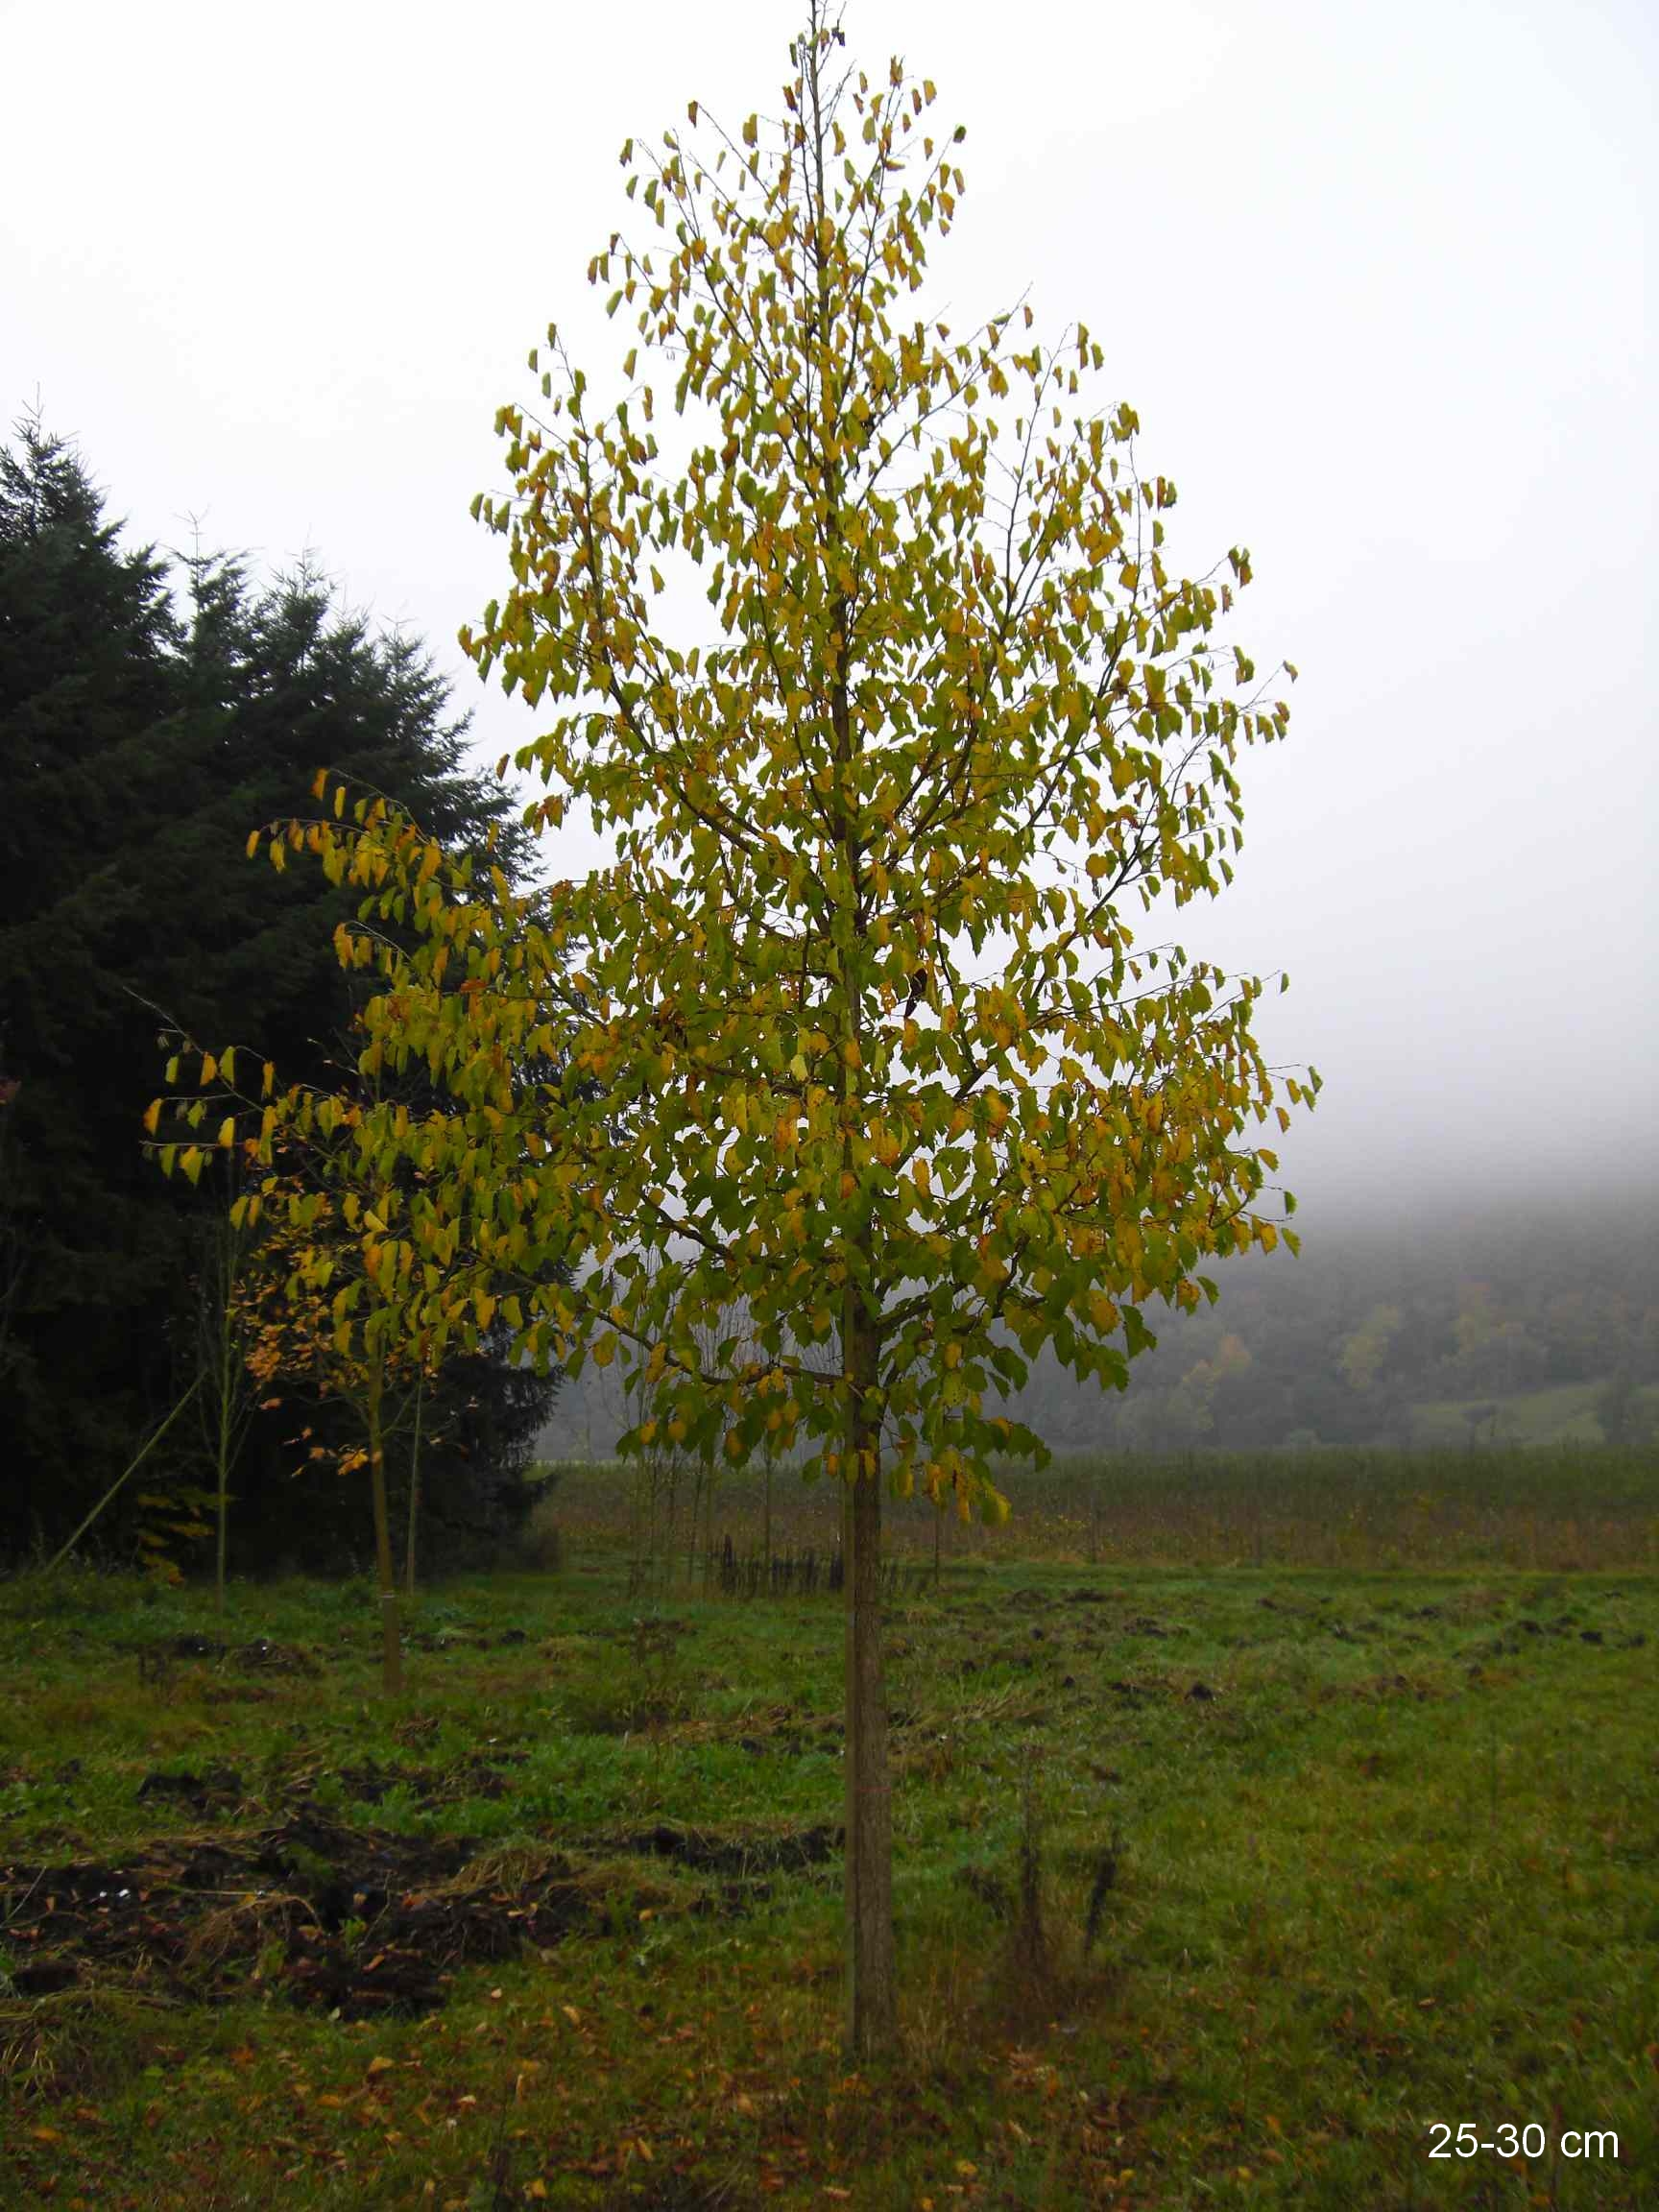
(856, 1030)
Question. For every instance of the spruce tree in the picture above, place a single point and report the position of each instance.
(138, 747)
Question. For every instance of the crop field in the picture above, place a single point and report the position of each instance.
(1216, 1884)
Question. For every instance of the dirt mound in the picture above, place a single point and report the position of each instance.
(734, 1855)
(260, 1656)
(356, 1919)
(214, 1786)
(474, 1776)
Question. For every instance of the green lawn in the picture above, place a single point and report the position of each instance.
(1564, 1415)
(1321, 1859)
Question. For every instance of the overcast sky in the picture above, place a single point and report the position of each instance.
(1379, 280)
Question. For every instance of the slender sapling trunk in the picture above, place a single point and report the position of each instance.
(414, 1492)
(391, 1631)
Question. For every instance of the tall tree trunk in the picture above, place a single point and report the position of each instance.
(391, 1632)
(872, 1982)
(872, 2009)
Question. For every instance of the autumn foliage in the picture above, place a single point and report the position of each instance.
(856, 1030)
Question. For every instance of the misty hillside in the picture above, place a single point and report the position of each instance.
(1509, 1328)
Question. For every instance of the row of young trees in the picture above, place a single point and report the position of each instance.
(150, 713)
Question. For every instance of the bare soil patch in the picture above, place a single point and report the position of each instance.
(357, 1920)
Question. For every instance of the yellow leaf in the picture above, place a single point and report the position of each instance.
(152, 1116)
(226, 1132)
(253, 843)
(751, 130)
(209, 1068)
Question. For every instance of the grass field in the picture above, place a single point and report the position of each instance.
(1215, 1887)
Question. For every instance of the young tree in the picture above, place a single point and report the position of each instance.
(328, 1323)
(319, 1302)
(857, 1030)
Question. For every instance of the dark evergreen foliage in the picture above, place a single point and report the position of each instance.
(137, 750)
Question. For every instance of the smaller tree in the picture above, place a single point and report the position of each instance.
(324, 1324)
(321, 1299)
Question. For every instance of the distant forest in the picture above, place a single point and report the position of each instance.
(1512, 1327)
